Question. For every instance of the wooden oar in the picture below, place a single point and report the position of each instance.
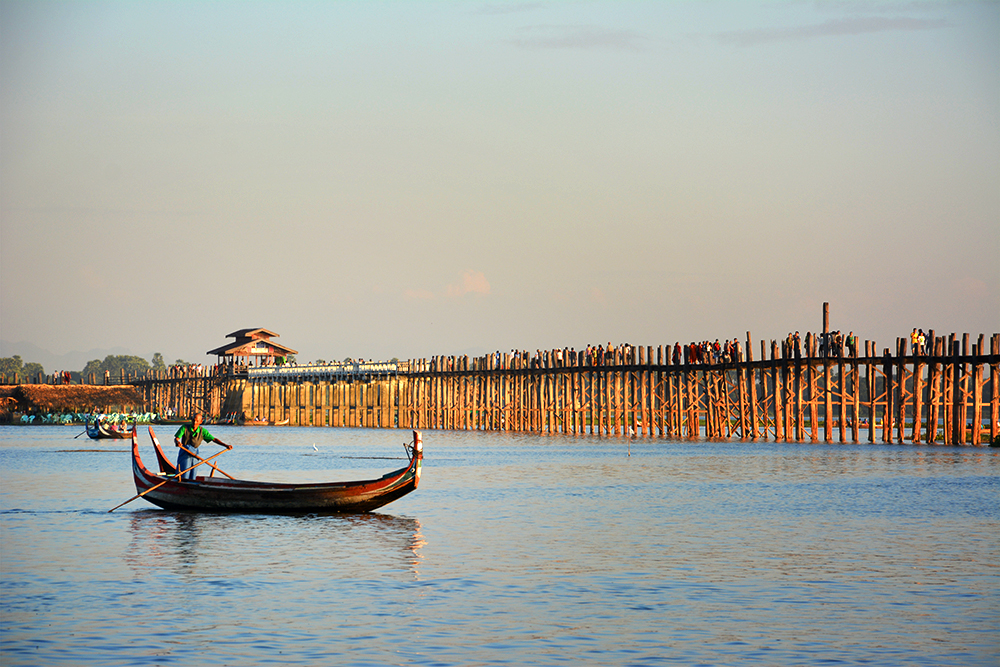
(211, 465)
(152, 488)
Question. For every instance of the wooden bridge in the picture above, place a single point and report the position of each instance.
(949, 395)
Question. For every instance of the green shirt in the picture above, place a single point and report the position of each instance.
(191, 437)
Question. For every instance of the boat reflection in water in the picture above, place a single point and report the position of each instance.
(193, 546)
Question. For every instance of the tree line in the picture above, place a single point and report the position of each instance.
(113, 364)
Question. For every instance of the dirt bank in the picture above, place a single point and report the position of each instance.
(44, 398)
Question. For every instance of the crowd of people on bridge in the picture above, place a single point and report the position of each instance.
(829, 344)
(707, 352)
(794, 346)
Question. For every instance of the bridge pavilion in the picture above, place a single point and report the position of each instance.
(252, 347)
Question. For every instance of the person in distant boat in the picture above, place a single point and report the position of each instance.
(188, 438)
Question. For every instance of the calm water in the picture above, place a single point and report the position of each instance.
(515, 550)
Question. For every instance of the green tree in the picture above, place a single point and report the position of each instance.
(93, 366)
(157, 363)
(32, 369)
(181, 362)
(11, 365)
(114, 363)
(131, 364)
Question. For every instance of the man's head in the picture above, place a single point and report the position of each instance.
(196, 420)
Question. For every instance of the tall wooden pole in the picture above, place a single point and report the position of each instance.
(957, 415)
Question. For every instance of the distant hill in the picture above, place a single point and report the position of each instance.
(71, 361)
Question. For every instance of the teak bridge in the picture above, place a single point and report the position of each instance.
(949, 394)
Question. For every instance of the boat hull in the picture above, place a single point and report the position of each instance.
(99, 431)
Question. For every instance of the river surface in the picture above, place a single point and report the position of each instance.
(516, 549)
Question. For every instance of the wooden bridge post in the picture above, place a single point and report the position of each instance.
(842, 386)
(660, 391)
(778, 399)
(437, 395)
(827, 397)
(497, 381)
(977, 385)
(741, 395)
(947, 390)
(683, 407)
(695, 402)
(419, 387)
(643, 375)
(933, 390)
(262, 401)
(752, 386)
(474, 411)
(766, 402)
(601, 399)
(566, 392)
(544, 395)
(711, 416)
(615, 392)
(888, 413)
(994, 389)
(901, 393)
(788, 378)
(579, 394)
(918, 395)
(812, 378)
(800, 422)
(856, 378)
(957, 416)
(591, 401)
(965, 390)
(360, 402)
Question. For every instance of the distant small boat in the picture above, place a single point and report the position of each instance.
(215, 494)
(98, 430)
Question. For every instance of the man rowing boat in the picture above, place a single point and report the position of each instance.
(188, 438)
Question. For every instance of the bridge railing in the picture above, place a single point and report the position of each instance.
(325, 371)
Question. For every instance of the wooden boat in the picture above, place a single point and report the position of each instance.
(98, 430)
(217, 494)
(166, 466)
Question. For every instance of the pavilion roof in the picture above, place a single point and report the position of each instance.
(249, 333)
(247, 339)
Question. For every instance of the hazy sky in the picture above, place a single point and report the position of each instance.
(404, 179)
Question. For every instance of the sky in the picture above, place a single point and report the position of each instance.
(408, 179)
